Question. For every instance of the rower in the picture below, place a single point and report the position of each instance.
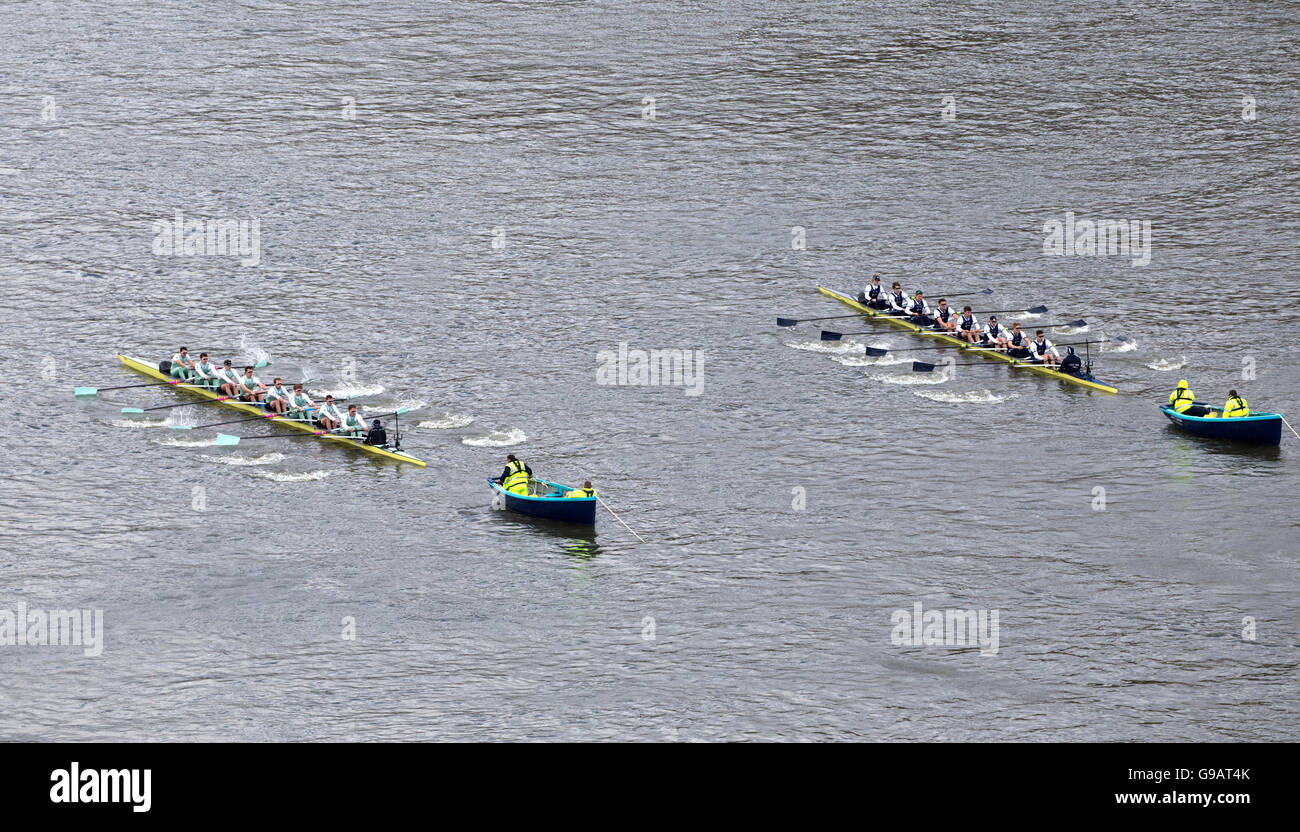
(918, 310)
(1235, 406)
(328, 416)
(967, 326)
(873, 294)
(585, 491)
(944, 318)
(251, 388)
(1018, 343)
(516, 475)
(896, 302)
(1043, 350)
(353, 424)
(205, 372)
(228, 380)
(994, 334)
(182, 365)
(1182, 398)
(376, 435)
(277, 398)
(300, 404)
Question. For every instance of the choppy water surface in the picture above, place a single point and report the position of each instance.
(461, 204)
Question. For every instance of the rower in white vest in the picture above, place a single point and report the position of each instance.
(1043, 350)
(328, 416)
(1018, 343)
(182, 365)
(205, 372)
(228, 379)
(918, 310)
(873, 294)
(968, 326)
(944, 318)
(994, 335)
(896, 301)
(278, 397)
(353, 425)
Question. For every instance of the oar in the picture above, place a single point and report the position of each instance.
(619, 519)
(206, 401)
(91, 391)
(879, 351)
(226, 439)
(267, 415)
(961, 294)
(793, 321)
(1037, 310)
(831, 335)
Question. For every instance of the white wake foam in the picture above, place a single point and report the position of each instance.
(284, 476)
(447, 421)
(969, 397)
(233, 459)
(1165, 365)
(496, 439)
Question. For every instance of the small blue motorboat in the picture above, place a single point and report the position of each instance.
(546, 499)
(1260, 428)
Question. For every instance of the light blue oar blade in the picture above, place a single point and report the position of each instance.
(399, 411)
(181, 427)
(132, 410)
(259, 365)
(224, 439)
(85, 391)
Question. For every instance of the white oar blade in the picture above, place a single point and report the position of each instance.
(224, 439)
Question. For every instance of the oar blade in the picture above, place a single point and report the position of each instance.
(181, 427)
(876, 351)
(225, 440)
(786, 321)
(399, 411)
(985, 292)
(259, 365)
(922, 367)
(828, 335)
(132, 410)
(1037, 310)
(85, 391)
(1076, 323)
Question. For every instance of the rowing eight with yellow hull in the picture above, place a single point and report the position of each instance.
(1041, 369)
(152, 371)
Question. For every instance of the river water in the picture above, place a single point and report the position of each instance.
(461, 205)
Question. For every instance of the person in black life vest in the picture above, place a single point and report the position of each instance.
(1071, 363)
(514, 478)
(376, 435)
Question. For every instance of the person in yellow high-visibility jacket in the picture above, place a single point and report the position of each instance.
(1235, 406)
(1182, 398)
(516, 475)
(585, 491)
